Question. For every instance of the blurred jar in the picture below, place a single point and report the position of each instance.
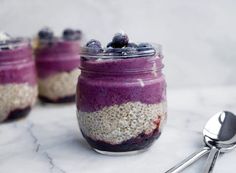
(57, 61)
(18, 89)
(121, 99)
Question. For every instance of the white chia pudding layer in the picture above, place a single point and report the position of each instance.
(16, 96)
(59, 85)
(118, 123)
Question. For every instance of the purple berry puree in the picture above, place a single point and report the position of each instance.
(17, 65)
(118, 81)
(141, 142)
(59, 56)
(66, 99)
(18, 113)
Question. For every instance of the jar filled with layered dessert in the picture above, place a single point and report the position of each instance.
(57, 61)
(18, 89)
(121, 95)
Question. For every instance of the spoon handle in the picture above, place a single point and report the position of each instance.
(189, 160)
(211, 160)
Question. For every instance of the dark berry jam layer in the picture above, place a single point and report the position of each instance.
(66, 99)
(140, 142)
(18, 113)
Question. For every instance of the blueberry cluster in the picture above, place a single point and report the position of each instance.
(70, 34)
(119, 45)
(94, 46)
(46, 34)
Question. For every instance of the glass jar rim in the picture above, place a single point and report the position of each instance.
(121, 53)
(14, 43)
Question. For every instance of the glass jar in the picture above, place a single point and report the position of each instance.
(18, 89)
(121, 100)
(57, 66)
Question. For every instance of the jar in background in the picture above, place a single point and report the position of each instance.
(121, 99)
(18, 89)
(57, 61)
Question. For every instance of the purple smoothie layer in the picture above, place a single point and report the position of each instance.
(17, 65)
(60, 56)
(117, 81)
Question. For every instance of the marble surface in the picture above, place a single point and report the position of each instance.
(48, 140)
(198, 37)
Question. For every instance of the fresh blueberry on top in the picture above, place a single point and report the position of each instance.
(120, 40)
(69, 34)
(78, 34)
(93, 42)
(45, 34)
(145, 45)
(132, 45)
(110, 45)
(94, 46)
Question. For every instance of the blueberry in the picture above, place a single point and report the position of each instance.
(147, 48)
(45, 34)
(94, 46)
(69, 34)
(111, 50)
(145, 45)
(110, 44)
(120, 40)
(132, 45)
(78, 34)
(94, 42)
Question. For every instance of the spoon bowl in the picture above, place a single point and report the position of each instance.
(220, 135)
(220, 131)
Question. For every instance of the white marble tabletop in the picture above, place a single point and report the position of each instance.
(49, 141)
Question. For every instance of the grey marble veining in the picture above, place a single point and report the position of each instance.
(49, 141)
(198, 37)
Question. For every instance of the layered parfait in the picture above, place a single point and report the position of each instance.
(121, 95)
(18, 89)
(57, 60)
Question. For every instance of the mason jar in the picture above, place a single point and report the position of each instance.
(18, 89)
(121, 100)
(57, 64)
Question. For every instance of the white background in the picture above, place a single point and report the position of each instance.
(198, 36)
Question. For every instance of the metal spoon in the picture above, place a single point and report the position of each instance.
(219, 134)
(226, 139)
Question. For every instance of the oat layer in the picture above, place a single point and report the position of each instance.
(16, 96)
(118, 123)
(59, 85)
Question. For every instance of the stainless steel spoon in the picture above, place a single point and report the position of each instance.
(219, 134)
(226, 140)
